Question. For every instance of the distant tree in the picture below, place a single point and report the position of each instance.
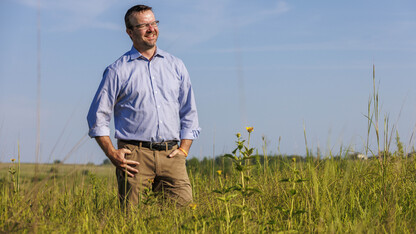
(106, 162)
(90, 164)
(57, 161)
(193, 164)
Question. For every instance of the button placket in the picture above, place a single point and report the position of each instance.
(156, 100)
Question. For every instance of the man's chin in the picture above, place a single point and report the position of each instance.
(150, 45)
(145, 46)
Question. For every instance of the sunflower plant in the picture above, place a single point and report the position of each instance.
(240, 157)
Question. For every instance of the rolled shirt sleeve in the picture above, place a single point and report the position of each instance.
(188, 113)
(101, 109)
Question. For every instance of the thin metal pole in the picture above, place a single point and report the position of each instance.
(38, 89)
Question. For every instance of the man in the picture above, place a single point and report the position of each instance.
(151, 96)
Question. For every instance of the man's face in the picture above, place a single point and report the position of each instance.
(143, 38)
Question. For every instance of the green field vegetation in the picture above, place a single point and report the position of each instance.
(239, 192)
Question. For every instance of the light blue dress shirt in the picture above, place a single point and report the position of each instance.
(151, 100)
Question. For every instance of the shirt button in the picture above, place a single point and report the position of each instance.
(158, 106)
(155, 91)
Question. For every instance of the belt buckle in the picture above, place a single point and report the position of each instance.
(151, 144)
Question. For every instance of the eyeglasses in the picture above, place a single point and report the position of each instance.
(146, 26)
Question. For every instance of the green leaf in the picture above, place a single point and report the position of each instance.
(240, 146)
(232, 188)
(293, 191)
(221, 199)
(229, 197)
(239, 167)
(218, 191)
(253, 189)
(248, 157)
(250, 151)
(231, 156)
(236, 187)
(239, 206)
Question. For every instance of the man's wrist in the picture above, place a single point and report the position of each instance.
(184, 151)
(110, 153)
(185, 144)
(106, 145)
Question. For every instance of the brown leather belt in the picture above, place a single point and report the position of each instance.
(166, 145)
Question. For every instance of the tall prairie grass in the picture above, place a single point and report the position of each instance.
(330, 195)
(249, 193)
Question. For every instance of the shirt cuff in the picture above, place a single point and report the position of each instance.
(103, 131)
(190, 134)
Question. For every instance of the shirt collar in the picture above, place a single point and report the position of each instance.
(134, 54)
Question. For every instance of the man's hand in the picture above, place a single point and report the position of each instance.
(185, 145)
(176, 152)
(117, 157)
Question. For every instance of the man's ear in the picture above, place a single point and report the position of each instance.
(129, 32)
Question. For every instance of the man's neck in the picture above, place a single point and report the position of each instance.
(147, 53)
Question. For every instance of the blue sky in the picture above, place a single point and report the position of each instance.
(275, 65)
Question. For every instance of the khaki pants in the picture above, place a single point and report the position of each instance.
(157, 172)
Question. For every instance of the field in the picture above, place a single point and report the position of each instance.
(236, 193)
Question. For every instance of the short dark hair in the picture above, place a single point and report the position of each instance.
(137, 8)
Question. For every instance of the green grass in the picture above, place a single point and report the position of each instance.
(45, 170)
(249, 193)
(332, 196)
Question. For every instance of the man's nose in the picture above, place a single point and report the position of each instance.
(151, 28)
